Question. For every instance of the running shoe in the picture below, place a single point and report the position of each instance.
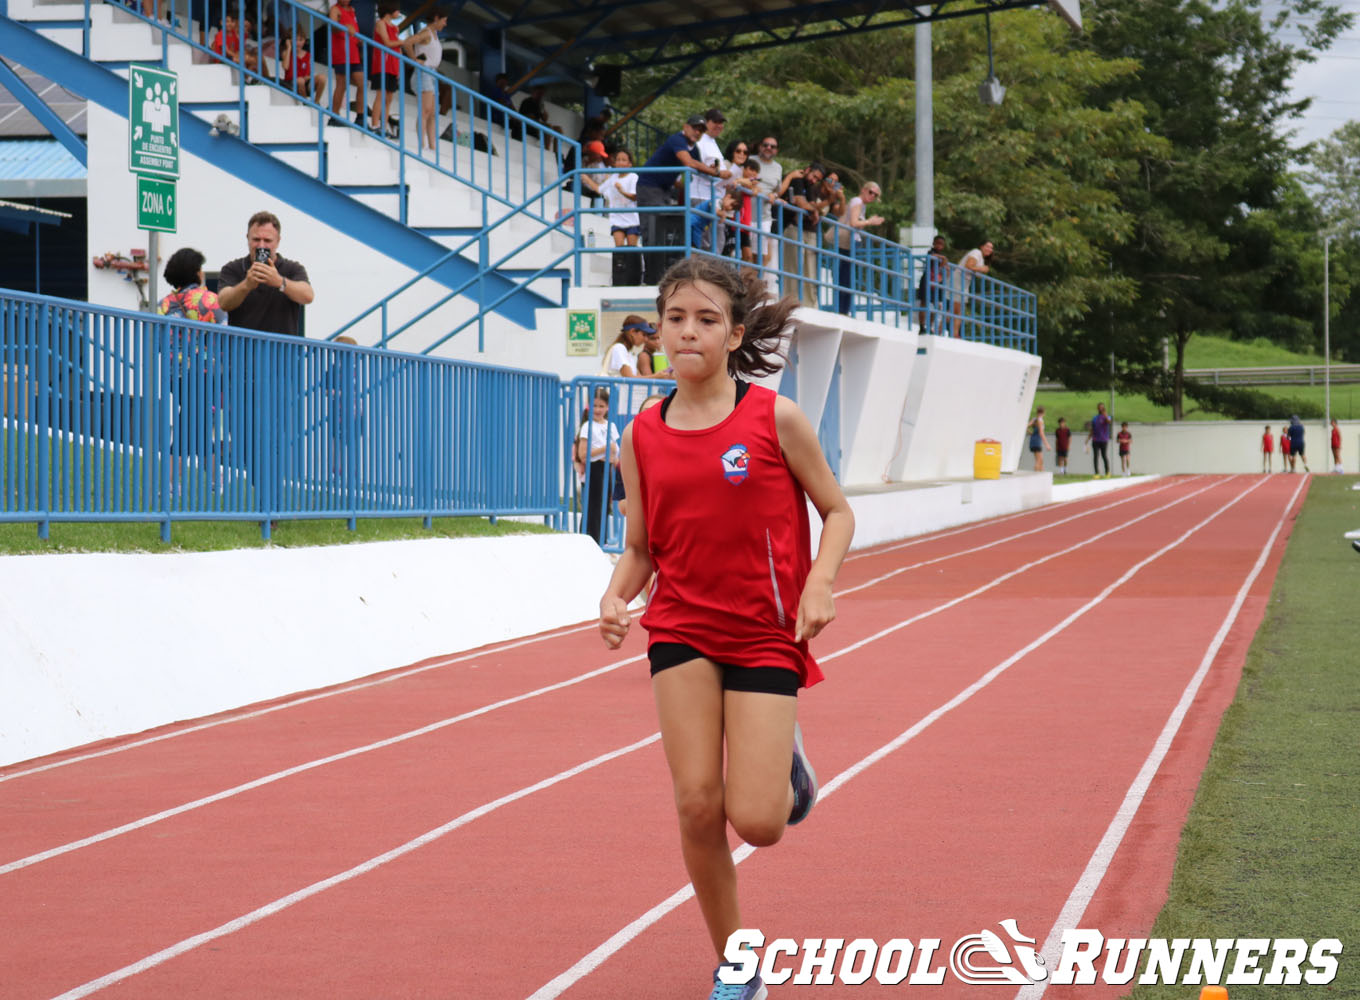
(754, 990)
(804, 780)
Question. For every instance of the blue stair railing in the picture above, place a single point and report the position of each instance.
(518, 157)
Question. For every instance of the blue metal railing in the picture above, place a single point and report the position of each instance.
(507, 157)
(109, 415)
(827, 266)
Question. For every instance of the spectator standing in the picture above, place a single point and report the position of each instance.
(346, 61)
(1125, 440)
(620, 359)
(1284, 450)
(428, 50)
(1296, 452)
(1062, 443)
(853, 221)
(1038, 440)
(705, 191)
(193, 364)
(769, 182)
(385, 68)
(657, 190)
(262, 290)
(597, 447)
(974, 262)
(1098, 440)
(741, 189)
(802, 209)
(620, 194)
(930, 293)
(190, 299)
(1268, 450)
(1337, 467)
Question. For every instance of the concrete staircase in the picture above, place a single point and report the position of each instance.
(446, 209)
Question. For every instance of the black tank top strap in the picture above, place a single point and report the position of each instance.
(742, 389)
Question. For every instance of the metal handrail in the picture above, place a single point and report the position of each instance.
(201, 422)
(484, 116)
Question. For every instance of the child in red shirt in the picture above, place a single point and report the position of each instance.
(384, 72)
(1267, 451)
(1125, 440)
(721, 472)
(1284, 450)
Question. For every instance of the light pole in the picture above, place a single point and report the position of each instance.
(1327, 335)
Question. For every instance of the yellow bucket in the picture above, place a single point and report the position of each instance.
(987, 459)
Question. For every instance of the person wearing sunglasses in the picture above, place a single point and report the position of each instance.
(853, 221)
(768, 184)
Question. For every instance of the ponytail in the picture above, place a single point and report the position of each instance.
(749, 304)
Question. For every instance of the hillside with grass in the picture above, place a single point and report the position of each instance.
(1211, 352)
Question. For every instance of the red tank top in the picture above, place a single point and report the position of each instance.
(727, 527)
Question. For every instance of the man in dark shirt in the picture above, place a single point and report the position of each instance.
(263, 291)
(802, 212)
(657, 189)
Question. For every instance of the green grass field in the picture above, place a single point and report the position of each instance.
(1272, 845)
(211, 536)
(1205, 352)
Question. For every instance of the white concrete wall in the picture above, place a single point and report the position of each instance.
(1213, 446)
(168, 637)
(959, 393)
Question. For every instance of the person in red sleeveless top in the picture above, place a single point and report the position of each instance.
(345, 60)
(384, 72)
(1268, 451)
(722, 472)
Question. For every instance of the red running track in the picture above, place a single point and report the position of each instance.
(1015, 719)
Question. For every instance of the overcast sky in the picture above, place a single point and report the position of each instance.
(1331, 82)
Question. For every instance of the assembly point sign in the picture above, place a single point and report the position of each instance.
(153, 121)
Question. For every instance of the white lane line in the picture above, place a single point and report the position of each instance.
(310, 765)
(268, 779)
(656, 913)
(1125, 495)
(595, 958)
(442, 662)
(269, 909)
(292, 703)
(1002, 541)
(1085, 889)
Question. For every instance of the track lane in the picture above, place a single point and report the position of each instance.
(126, 796)
(663, 772)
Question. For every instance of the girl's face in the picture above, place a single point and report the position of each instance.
(622, 159)
(739, 153)
(600, 410)
(653, 341)
(697, 331)
(636, 336)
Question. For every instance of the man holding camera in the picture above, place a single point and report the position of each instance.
(263, 291)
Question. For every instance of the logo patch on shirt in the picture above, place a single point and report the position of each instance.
(735, 462)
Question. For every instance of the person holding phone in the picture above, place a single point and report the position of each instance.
(263, 291)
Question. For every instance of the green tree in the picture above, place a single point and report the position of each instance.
(1213, 81)
(1040, 175)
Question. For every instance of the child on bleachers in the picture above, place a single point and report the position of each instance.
(295, 67)
(346, 61)
(384, 68)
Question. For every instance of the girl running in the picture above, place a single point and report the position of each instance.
(720, 472)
